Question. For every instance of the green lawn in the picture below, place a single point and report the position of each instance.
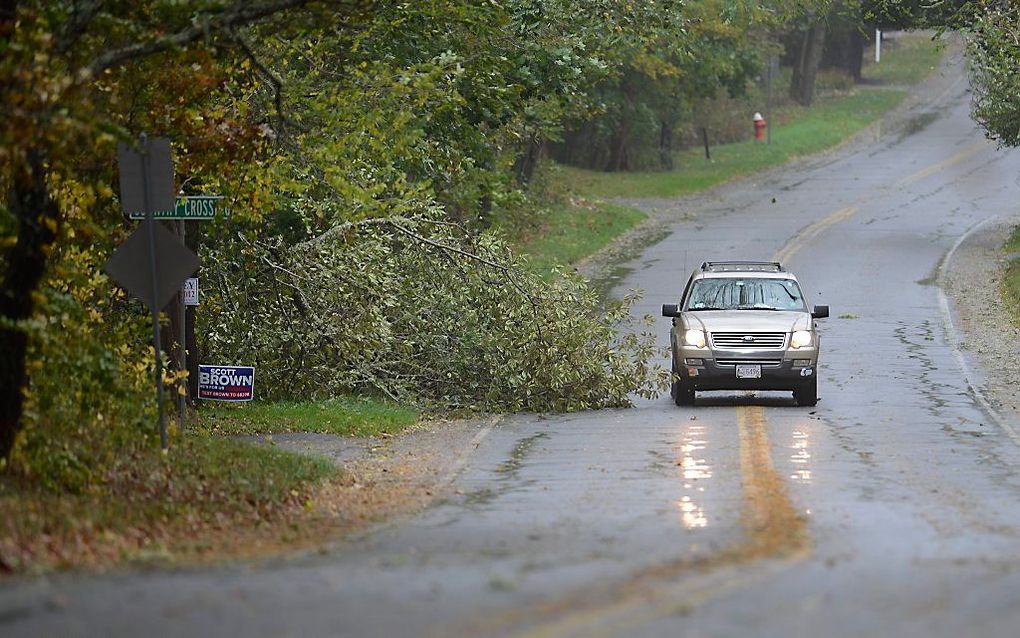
(906, 59)
(831, 121)
(349, 416)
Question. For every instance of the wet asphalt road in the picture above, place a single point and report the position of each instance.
(893, 508)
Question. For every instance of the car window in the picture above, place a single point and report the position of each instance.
(732, 293)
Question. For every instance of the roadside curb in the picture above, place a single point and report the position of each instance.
(953, 334)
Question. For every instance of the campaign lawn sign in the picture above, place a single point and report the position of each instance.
(226, 383)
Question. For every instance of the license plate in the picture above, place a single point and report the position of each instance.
(748, 372)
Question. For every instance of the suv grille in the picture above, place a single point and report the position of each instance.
(765, 363)
(749, 340)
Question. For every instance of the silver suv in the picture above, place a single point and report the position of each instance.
(744, 325)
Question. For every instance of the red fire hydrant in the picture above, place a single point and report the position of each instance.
(759, 127)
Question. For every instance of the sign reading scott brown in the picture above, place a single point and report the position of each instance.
(226, 383)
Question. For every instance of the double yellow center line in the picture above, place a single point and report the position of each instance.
(812, 231)
(772, 524)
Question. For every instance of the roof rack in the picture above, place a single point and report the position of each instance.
(742, 266)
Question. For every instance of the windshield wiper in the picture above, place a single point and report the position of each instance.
(706, 308)
(756, 308)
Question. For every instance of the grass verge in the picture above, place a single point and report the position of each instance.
(210, 497)
(348, 416)
(1011, 278)
(906, 59)
(208, 494)
(565, 233)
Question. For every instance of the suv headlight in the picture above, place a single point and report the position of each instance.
(694, 338)
(800, 339)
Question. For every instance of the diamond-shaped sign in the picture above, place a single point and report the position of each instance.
(130, 265)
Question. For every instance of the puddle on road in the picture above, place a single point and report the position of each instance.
(693, 468)
(505, 472)
(917, 124)
(511, 466)
(917, 352)
(618, 266)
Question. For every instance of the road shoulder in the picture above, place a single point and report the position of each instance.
(388, 478)
(987, 336)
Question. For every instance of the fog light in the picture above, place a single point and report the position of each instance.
(692, 372)
(694, 362)
(806, 372)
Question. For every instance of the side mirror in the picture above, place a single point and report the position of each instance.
(821, 312)
(670, 310)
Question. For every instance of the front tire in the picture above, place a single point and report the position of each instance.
(807, 396)
(682, 392)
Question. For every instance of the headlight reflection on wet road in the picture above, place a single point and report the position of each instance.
(692, 470)
(800, 455)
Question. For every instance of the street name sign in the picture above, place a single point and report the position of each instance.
(198, 207)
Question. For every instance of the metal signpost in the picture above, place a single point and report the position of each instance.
(189, 297)
(188, 208)
(151, 263)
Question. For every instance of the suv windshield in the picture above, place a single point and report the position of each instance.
(731, 293)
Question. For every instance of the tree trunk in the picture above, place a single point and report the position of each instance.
(855, 61)
(666, 145)
(805, 72)
(619, 150)
(24, 266)
(527, 161)
(8, 18)
(844, 41)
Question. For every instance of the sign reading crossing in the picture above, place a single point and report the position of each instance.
(189, 207)
(226, 383)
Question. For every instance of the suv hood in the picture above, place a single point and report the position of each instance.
(747, 320)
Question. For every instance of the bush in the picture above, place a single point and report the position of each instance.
(90, 364)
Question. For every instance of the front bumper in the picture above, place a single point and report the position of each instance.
(717, 370)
